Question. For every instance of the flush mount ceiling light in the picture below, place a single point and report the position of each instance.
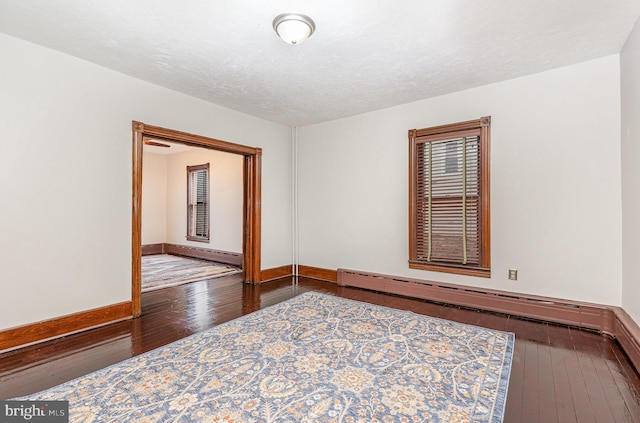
(293, 28)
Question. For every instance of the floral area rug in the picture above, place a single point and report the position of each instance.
(313, 358)
(164, 270)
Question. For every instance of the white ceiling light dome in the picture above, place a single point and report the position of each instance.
(293, 28)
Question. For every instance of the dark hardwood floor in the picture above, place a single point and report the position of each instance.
(559, 374)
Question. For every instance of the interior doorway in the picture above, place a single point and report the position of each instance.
(252, 173)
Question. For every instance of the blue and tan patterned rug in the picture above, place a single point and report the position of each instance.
(313, 358)
(164, 270)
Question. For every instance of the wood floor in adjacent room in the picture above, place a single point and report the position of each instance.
(559, 374)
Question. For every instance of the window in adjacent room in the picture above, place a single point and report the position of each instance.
(449, 198)
(198, 203)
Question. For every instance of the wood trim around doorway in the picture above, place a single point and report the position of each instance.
(251, 198)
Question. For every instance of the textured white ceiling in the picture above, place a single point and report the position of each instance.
(365, 54)
(174, 148)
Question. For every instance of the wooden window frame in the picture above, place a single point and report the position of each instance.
(190, 224)
(416, 136)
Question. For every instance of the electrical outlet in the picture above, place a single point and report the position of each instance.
(513, 274)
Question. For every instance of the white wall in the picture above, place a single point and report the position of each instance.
(154, 198)
(555, 184)
(226, 192)
(65, 178)
(630, 87)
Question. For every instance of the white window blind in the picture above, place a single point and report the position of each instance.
(447, 201)
(198, 202)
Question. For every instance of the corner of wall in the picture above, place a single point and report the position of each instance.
(630, 173)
